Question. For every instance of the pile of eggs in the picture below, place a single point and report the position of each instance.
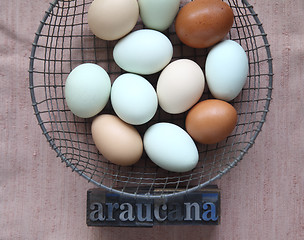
(179, 88)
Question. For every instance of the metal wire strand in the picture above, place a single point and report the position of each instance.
(63, 41)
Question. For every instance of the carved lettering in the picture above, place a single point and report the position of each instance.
(97, 213)
(175, 212)
(114, 210)
(148, 215)
(210, 213)
(189, 215)
(126, 215)
(160, 215)
(111, 207)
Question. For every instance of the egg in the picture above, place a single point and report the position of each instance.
(112, 19)
(203, 23)
(144, 51)
(180, 86)
(170, 147)
(133, 99)
(211, 121)
(87, 90)
(158, 14)
(226, 70)
(117, 141)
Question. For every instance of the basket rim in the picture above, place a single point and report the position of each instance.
(161, 195)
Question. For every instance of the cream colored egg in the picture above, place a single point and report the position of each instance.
(112, 19)
(180, 86)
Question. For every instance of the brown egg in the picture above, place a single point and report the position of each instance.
(203, 23)
(117, 141)
(211, 121)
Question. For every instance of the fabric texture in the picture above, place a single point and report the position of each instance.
(262, 198)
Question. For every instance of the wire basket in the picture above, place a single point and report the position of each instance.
(63, 41)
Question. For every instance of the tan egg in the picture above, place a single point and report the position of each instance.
(112, 19)
(211, 121)
(117, 141)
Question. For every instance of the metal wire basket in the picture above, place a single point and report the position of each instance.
(63, 41)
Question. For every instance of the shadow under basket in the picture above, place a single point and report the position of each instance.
(63, 41)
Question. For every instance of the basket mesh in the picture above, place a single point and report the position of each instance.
(63, 41)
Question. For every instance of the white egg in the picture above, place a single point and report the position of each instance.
(87, 90)
(226, 70)
(143, 51)
(170, 147)
(133, 99)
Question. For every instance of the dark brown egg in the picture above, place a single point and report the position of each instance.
(203, 23)
(211, 121)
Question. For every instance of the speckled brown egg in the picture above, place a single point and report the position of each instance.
(211, 121)
(203, 23)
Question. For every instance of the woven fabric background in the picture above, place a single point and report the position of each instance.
(262, 198)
